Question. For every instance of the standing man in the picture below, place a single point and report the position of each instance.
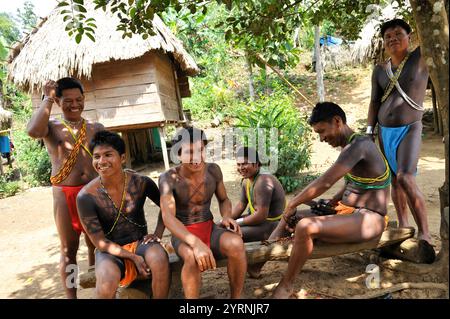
(186, 193)
(360, 210)
(66, 140)
(264, 196)
(398, 91)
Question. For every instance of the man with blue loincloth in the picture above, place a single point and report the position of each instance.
(5, 146)
(398, 91)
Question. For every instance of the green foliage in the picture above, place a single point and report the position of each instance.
(77, 23)
(210, 100)
(33, 159)
(8, 187)
(9, 33)
(294, 134)
(27, 16)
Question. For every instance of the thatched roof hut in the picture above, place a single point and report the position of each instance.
(130, 84)
(49, 53)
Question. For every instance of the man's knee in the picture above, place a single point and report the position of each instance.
(106, 287)
(306, 227)
(233, 246)
(156, 257)
(406, 180)
(188, 257)
(69, 249)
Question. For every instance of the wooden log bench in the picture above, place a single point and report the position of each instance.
(260, 252)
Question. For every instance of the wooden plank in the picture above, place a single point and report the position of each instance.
(123, 101)
(167, 90)
(414, 250)
(257, 252)
(119, 128)
(125, 79)
(126, 91)
(118, 68)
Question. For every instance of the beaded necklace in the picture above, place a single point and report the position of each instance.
(122, 202)
(394, 79)
(364, 182)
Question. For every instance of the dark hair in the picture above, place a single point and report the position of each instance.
(190, 135)
(108, 138)
(325, 111)
(393, 23)
(249, 153)
(67, 83)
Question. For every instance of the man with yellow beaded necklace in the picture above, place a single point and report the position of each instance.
(359, 207)
(66, 140)
(111, 209)
(398, 91)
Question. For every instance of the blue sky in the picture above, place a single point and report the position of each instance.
(41, 7)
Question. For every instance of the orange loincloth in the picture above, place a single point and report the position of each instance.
(342, 209)
(130, 268)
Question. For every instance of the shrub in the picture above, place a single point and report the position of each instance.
(7, 186)
(294, 134)
(33, 159)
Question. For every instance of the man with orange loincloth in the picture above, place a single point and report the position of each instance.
(111, 209)
(360, 207)
(66, 140)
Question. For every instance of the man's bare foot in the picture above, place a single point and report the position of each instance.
(282, 292)
(425, 237)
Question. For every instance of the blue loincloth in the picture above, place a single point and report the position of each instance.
(4, 144)
(392, 137)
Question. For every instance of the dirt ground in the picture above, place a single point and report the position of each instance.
(29, 243)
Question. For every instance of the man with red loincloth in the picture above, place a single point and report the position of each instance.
(66, 140)
(186, 194)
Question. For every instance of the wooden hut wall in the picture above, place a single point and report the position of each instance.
(130, 92)
(167, 88)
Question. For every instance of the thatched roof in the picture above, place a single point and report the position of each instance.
(49, 53)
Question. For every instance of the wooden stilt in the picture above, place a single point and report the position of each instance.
(127, 150)
(164, 147)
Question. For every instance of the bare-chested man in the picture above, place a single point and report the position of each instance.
(398, 91)
(111, 209)
(361, 204)
(264, 195)
(186, 193)
(66, 141)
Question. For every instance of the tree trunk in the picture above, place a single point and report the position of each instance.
(437, 118)
(251, 86)
(432, 28)
(319, 66)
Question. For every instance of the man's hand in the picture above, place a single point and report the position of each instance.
(203, 256)
(141, 266)
(288, 212)
(290, 218)
(49, 89)
(230, 224)
(151, 238)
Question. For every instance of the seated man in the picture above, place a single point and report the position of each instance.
(111, 211)
(264, 195)
(361, 209)
(186, 193)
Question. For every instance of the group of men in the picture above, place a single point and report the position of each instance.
(93, 193)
